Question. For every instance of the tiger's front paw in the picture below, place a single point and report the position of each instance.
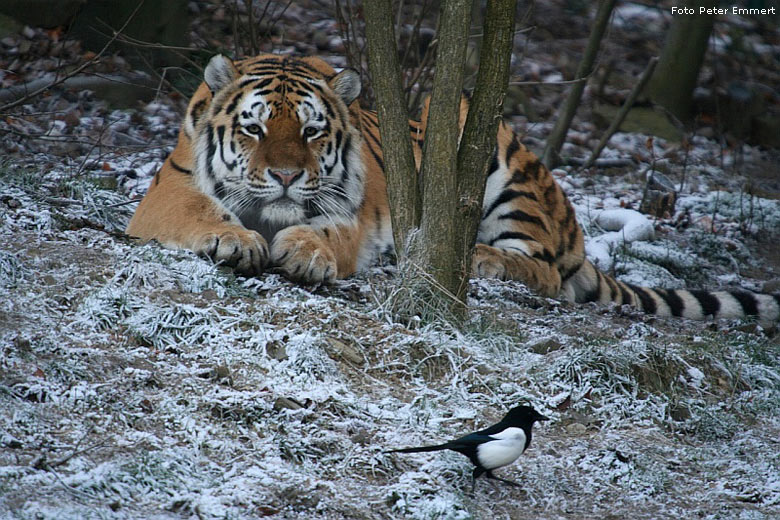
(303, 256)
(243, 249)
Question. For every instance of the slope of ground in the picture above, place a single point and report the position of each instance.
(140, 383)
(137, 382)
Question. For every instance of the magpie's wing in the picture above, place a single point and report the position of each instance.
(491, 430)
(462, 444)
(468, 442)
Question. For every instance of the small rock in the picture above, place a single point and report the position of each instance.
(347, 352)
(484, 370)
(573, 416)
(11, 442)
(576, 429)
(209, 295)
(771, 286)
(680, 412)
(706, 131)
(284, 403)
(750, 328)
(22, 343)
(222, 373)
(11, 202)
(39, 462)
(361, 437)
(276, 350)
(219, 373)
(72, 118)
(24, 46)
(621, 456)
(544, 345)
(336, 45)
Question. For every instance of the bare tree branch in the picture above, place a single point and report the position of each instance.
(479, 134)
(621, 115)
(400, 169)
(550, 156)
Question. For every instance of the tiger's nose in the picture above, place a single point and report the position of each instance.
(285, 177)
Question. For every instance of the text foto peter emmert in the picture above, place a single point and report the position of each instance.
(722, 10)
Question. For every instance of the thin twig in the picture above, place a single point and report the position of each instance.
(687, 145)
(94, 145)
(553, 83)
(66, 458)
(85, 81)
(135, 42)
(278, 17)
(236, 35)
(602, 163)
(120, 204)
(250, 12)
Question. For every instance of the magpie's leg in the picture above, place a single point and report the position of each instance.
(494, 477)
(477, 472)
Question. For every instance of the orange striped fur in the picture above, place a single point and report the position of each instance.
(277, 164)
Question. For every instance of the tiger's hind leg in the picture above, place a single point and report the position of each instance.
(528, 230)
(536, 273)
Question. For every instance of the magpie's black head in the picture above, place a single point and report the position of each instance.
(523, 415)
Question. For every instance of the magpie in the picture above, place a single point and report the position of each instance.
(493, 447)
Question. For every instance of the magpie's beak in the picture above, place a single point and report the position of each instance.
(541, 417)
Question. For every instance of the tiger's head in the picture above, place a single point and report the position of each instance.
(276, 144)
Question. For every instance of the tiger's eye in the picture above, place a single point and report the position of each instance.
(253, 129)
(309, 131)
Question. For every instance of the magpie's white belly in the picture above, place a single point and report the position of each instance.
(507, 446)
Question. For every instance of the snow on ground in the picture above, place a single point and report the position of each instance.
(141, 383)
(137, 382)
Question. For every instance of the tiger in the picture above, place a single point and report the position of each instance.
(277, 165)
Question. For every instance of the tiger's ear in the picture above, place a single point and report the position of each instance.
(346, 84)
(219, 73)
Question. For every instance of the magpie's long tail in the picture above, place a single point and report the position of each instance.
(589, 284)
(419, 449)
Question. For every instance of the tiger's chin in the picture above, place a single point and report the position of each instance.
(283, 212)
(272, 217)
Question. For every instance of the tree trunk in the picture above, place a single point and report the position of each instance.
(435, 249)
(551, 157)
(479, 135)
(674, 79)
(453, 177)
(400, 171)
